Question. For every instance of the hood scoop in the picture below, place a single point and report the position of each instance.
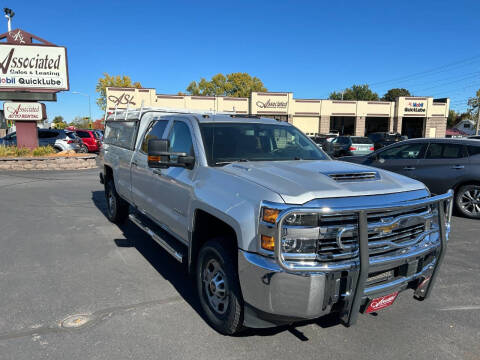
(355, 176)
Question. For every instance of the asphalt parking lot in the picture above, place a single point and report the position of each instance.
(59, 256)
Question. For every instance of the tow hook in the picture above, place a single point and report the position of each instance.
(421, 289)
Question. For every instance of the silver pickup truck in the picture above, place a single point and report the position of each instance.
(272, 230)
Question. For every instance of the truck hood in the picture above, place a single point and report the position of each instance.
(300, 181)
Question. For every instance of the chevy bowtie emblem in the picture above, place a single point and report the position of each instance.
(387, 229)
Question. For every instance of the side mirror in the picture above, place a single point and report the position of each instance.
(160, 157)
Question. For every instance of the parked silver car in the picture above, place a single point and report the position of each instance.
(60, 140)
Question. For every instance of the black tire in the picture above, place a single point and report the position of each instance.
(226, 319)
(117, 208)
(467, 201)
(83, 149)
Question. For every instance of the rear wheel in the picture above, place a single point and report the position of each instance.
(467, 201)
(117, 208)
(83, 149)
(218, 287)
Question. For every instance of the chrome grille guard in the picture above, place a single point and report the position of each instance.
(444, 205)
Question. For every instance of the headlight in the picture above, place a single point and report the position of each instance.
(299, 235)
(302, 239)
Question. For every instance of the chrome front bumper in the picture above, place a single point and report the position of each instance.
(275, 287)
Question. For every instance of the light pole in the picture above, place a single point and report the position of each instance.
(9, 14)
(89, 106)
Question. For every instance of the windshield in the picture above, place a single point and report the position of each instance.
(228, 142)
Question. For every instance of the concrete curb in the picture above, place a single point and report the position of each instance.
(49, 163)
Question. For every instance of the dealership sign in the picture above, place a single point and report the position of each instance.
(30, 67)
(272, 104)
(24, 111)
(415, 106)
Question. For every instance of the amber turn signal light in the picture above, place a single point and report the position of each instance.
(268, 243)
(270, 215)
(154, 158)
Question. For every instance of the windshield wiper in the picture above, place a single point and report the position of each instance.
(222, 163)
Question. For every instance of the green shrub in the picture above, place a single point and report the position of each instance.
(13, 151)
(43, 151)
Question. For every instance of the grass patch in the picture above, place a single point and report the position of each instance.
(13, 151)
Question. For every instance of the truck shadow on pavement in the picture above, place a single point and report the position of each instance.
(177, 274)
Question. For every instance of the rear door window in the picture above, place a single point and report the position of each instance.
(83, 134)
(473, 150)
(445, 151)
(47, 134)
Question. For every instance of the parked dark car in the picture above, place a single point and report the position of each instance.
(322, 140)
(441, 164)
(348, 146)
(382, 139)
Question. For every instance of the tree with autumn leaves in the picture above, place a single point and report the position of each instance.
(234, 85)
(112, 81)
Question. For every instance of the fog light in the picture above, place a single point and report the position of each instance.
(268, 243)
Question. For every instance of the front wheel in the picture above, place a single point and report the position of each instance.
(467, 201)
(218, 287)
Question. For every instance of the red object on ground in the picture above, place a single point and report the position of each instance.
(381, 302)
(89, 138)
(27, 134)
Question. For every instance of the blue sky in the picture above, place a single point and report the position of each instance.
(308, 47)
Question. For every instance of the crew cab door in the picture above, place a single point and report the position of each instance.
(402, 158)
(176, 183)
(165, 194)
(142, 176)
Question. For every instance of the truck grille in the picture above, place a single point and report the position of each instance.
(387, 232)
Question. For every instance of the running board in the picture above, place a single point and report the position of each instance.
(161, 241)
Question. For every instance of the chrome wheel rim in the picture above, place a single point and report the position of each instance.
(215, 286)
(470, 201)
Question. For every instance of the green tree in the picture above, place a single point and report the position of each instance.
(81, 122)
(453, 118)
(58, 122)
(393, 94)
(474, 106)
(234, 84)
(356, 92)
(112, 81)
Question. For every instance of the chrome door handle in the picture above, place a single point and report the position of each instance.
(458, 167)
(134, 163)
(409, 168)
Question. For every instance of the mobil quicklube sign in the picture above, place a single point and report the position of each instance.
(32, 67)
